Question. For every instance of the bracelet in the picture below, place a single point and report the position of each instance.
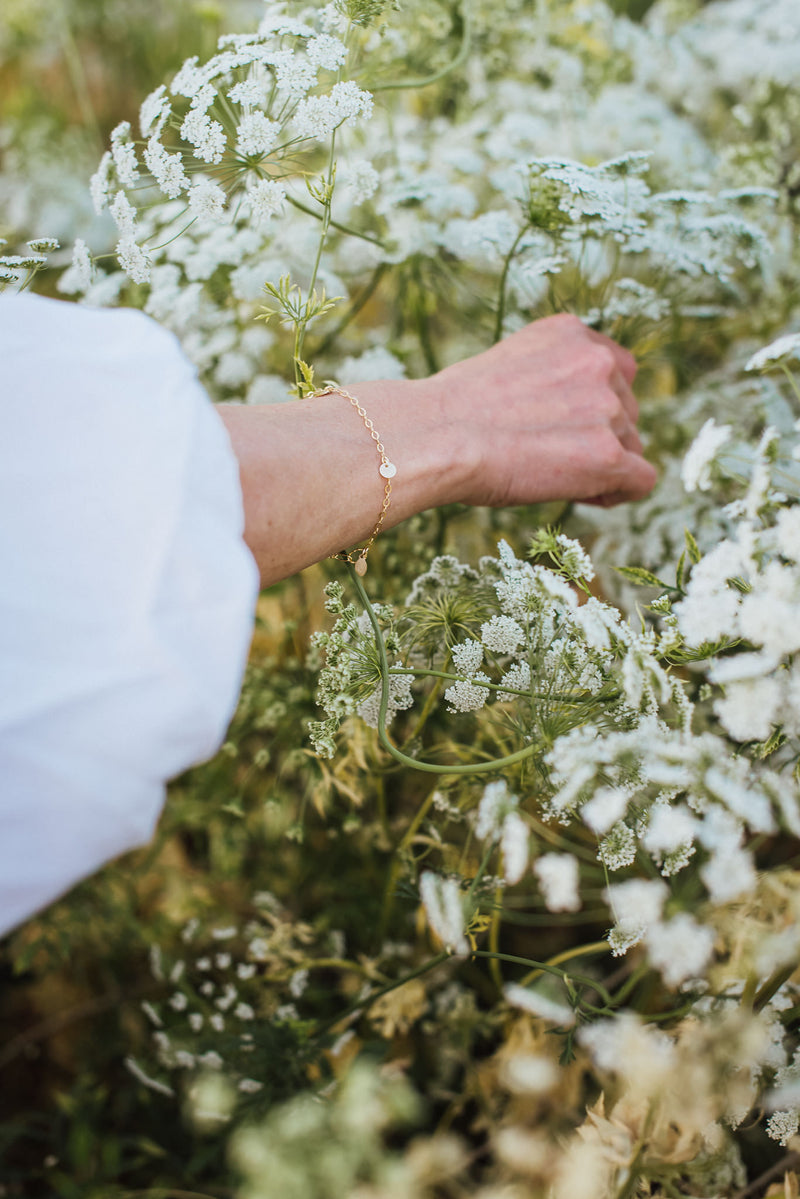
(358, 558)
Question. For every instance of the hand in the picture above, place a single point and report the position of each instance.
(546, 414)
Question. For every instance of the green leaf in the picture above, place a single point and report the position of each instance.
(692, 547)
(641, 577)
(775, 740)
(680, 572)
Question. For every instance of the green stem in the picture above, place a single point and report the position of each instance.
(363, 1004)
(363, 297)
(791, 378)
(301, 207)
(564, 975)
(481, 871)
(398, 755)
(383, 736)
(501, 298)
(300, 328)
(425, 81)
(457, 678)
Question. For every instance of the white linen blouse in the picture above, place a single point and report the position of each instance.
(127, 593)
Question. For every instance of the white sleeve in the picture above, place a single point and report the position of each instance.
(126, 591)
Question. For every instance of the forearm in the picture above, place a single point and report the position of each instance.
(309, 470)
(547, 414)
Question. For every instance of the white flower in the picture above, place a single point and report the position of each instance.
(559, 880)
(318, 116)
(495, 804)
(605, 808)
(375, 363)
(787, 532)
(100, 183)
(681, 948)
(207, 199)
(466, 696)
(517, 678)
(124, 154)
(618, 848)
(575, 560)
(783, 1125)
(669, 828)
(256, 134)
(206, 135)
(696, 468)
(749, 708)
(539, 1005)
(189, 79)
(784, 346)
(243, 1011)
(133, 259)
(467, 656)
(196, 1021)
(166, 169)
(514, 844)
(441, 898)
(363, 180)
(293, 74)
(249, 1086)
(80, 275)
(154, 112)
(298, 983)
(267, 198)
(502, 634)
(124, 214)
(248, 91)
(326, 51)
(728, 874)
(637, 903)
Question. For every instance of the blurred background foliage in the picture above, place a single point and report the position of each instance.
(265, 815)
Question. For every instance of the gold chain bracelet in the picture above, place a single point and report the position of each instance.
(358, 557)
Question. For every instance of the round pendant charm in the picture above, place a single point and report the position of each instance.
(361, 566)
(388, 470)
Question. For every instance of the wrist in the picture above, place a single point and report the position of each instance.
(427, 447)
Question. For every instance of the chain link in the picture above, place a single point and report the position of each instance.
(358, 557)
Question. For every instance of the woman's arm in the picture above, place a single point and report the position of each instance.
(546, 414)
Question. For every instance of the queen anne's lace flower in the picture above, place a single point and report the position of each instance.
(267, 198)
(465, 696)
(559, 879)
(502, 634)
(318, 116)
(696, 468)
(783, 347)
(257, 134)
(441, 898)
(467, 656)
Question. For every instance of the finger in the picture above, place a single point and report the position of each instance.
(622, 387)
(626, 363)
(638, 480)
(631, 440)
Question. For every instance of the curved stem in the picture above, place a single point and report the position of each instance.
(301, 207)
(501, 298)
(398, 755)
(426, 80)
(546, 968)
(358, 303)
(363, 1004)
(566, 956)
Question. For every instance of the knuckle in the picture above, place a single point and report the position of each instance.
(603, 360)
(610, 452)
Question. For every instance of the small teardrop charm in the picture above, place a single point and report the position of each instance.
(361, 566)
